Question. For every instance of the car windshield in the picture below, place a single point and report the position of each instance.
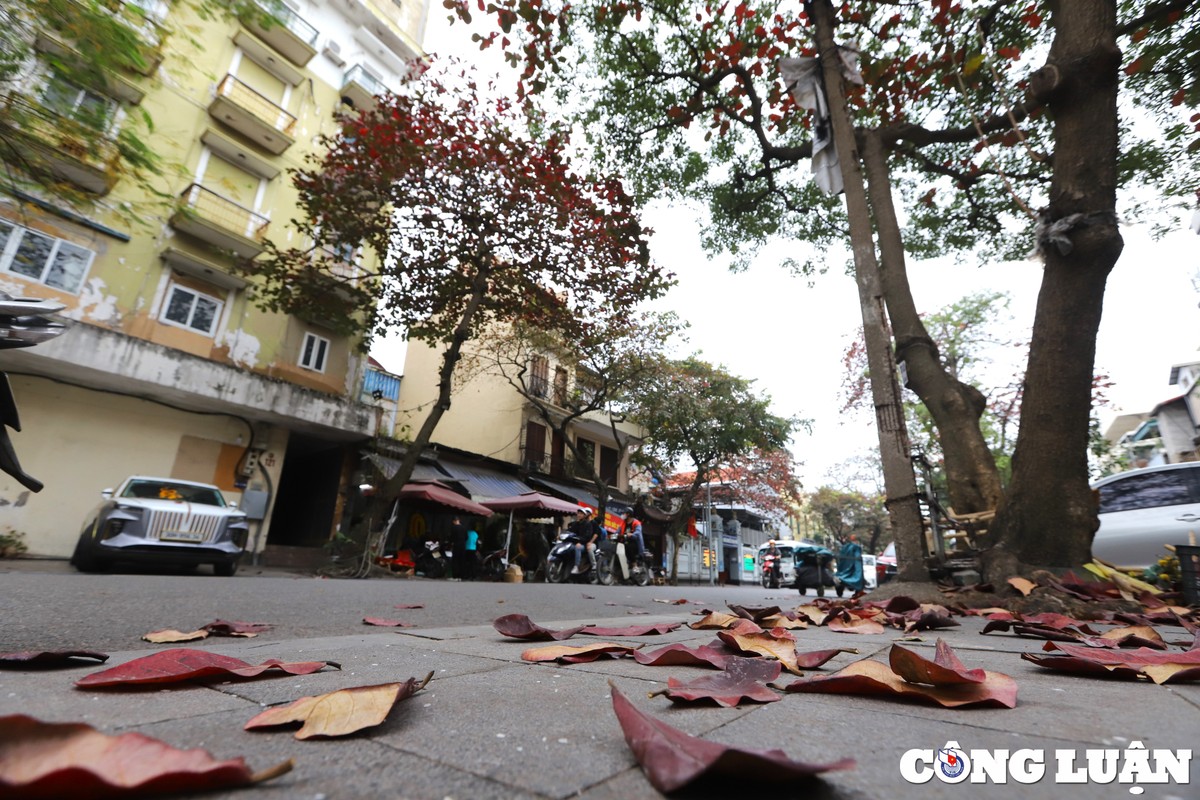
(165, 490)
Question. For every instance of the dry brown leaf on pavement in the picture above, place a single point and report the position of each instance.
(816, 658)
(42, 659)
(339, 713)
(386, 623)
(47, 760)
(1022, 585)
(715, 620)
(578, 655)
(813, 614)
(1161, 667)
(171, 636)
(742, 679)
(839, 625)
(944, 670)
(181, 664)
(782, 648)
(519, 626)
(221, 627)
(672, 759)
(680, 602)
(714, 654)
(873, 678)
(656, 628)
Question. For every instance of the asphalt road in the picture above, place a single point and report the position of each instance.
(47, 605)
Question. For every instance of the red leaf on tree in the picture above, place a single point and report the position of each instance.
(47, 658)
(181, 664)
(519, 626)
(672, 759)
(742, 679)
(47, 760)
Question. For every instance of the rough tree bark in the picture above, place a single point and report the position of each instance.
(1049, 513)
(971, 475)
(900, 485)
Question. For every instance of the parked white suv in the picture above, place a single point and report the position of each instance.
(1144, 509)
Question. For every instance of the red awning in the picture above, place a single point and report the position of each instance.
(532, 504)
(441, 494)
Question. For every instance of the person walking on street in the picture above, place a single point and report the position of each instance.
(850, 566)
(471, 556)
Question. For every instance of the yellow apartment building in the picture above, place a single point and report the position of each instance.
(167, 367)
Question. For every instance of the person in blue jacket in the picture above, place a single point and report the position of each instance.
(850, 566)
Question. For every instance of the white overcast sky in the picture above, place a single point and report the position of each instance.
(766, 325)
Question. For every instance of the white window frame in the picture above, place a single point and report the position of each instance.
(112, 105)
(171, 289)
(9, 250)
(318, 347)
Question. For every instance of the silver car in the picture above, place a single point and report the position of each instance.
(162, 521)
(1144, 509)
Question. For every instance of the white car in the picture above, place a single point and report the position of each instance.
(1144, 509)
(162, 521)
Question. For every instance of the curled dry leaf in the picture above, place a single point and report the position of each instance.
(519, 626)
(632, 630)
(181, 664)
(169, 636)
(386, 623)
(680, 602)
(782, 648)
(714, 654)
(578, 655)
(742, 679)
(873, 678)
(944, 670)
(410, 605)
(785, 622)
(248, 630)
(339, 713)
(926, 620)
(813, 614)
(672, 759)
(754, 614)
(839, 625)
(816, 658)
(1022, 585)
(41, 759)
(715, 620)
(1130, 636)
(1158, 666)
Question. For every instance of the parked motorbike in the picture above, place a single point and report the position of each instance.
(493, 566)
(22, 324)
(641, 568)
(561, 561)
(432, 562)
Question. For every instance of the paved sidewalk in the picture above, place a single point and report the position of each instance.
(491, 726)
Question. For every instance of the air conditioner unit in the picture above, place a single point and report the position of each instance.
(333, 51)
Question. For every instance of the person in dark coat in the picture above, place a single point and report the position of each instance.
(458, 546)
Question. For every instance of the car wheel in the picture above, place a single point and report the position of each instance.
(803, 591)
(83, 560)
(225, 569)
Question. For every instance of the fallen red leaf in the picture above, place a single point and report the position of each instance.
(671, 759)
(181, 664)
(715, 620)
(171, 636)
(873, 678)
(49, 760)
(632, 630)
(221, 627)
(944, 670)
(577, 655)
(519, 626)
(1158, 666)
(742, 679)
(48, 658)
(754, 614)
(839, 625)
(715, 654)
(386, 623)
(815, 658)
(339, 713)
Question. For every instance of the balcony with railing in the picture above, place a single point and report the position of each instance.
(60, 146)
(151, 33)
(360, 87)
(260, 120)
(541, 462)
(220, 221)
(284, 30)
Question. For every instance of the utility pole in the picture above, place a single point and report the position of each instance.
(900, 484)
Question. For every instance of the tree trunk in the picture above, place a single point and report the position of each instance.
(1049, 515)
(900, 485)
(971, 475)
(450, 358)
